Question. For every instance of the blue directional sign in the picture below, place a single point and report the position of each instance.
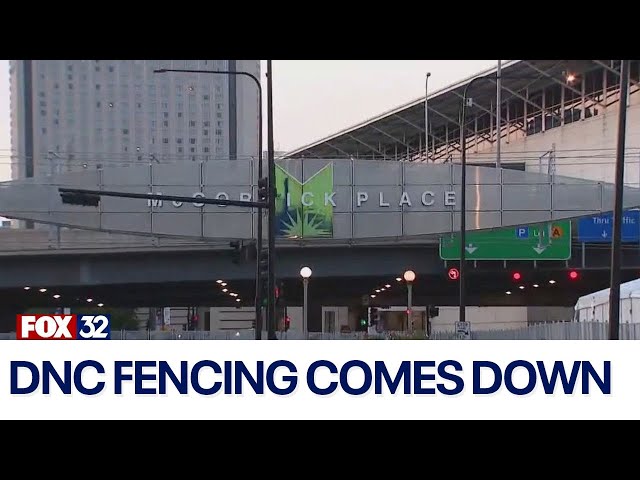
(600, 228)
(522, 232)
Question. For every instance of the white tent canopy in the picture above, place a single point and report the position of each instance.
(596, 304)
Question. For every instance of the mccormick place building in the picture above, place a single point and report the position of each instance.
(68, 115)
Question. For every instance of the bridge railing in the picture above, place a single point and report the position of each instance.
(542, 331)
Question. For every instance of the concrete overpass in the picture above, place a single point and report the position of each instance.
(185, 274)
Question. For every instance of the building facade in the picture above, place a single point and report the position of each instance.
(68, 115)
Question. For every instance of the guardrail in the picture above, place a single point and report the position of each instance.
(542, 331)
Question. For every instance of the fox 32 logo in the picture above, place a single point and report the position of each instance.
(63, 327)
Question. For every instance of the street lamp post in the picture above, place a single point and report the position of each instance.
(305, 273)
(259, 235)
(426, 115)
(467, 102)
(271, 281)
(614, 290)
(409, 277)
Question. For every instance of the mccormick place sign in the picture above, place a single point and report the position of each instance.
(327, 199)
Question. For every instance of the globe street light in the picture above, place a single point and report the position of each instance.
(409, 277)
(305, 273)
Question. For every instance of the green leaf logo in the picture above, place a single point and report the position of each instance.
(302, 208)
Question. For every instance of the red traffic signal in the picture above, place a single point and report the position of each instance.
(453, 274)
(573, 275)
(516, 276)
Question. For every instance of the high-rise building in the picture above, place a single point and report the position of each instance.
(72, 114)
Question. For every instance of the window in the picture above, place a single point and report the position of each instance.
(97, 86)
(97, 68)
(166, 114)
(193, 149)
(192, 141)
(206, 124)
(44, 130)
(70, 68)
(192, 123)
(178, 140)
(70, 86)
(98, 104)
(69, 77)
(205, 149)
(205, 132)
(139, 105)
(111, 68)
(218, 131)
(41, 94)
(165, 123)
(180, 149)
(179, 114)
(165, 140)
(205, 97)
(219, 115)
(125, 131)
(56, 86)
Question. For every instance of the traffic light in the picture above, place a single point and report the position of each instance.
(574, 275)
(373, 316)
(263, 189)
(264, 264)
(236, 252)
(242, 252)
(279, 293)
(287, 323)
(517, 276)
(83, 199)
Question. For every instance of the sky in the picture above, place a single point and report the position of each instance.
(316, 98)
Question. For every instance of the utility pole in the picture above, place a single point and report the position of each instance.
(271, 304)
(614, 289)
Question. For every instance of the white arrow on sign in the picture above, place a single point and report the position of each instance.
(470, 248)
(604, 234)
(540, 248)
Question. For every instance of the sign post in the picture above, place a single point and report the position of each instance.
(463, 331)
(549, 241)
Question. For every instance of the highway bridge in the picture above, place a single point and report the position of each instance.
(79, 265)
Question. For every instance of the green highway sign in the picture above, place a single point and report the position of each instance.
(547, 241)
